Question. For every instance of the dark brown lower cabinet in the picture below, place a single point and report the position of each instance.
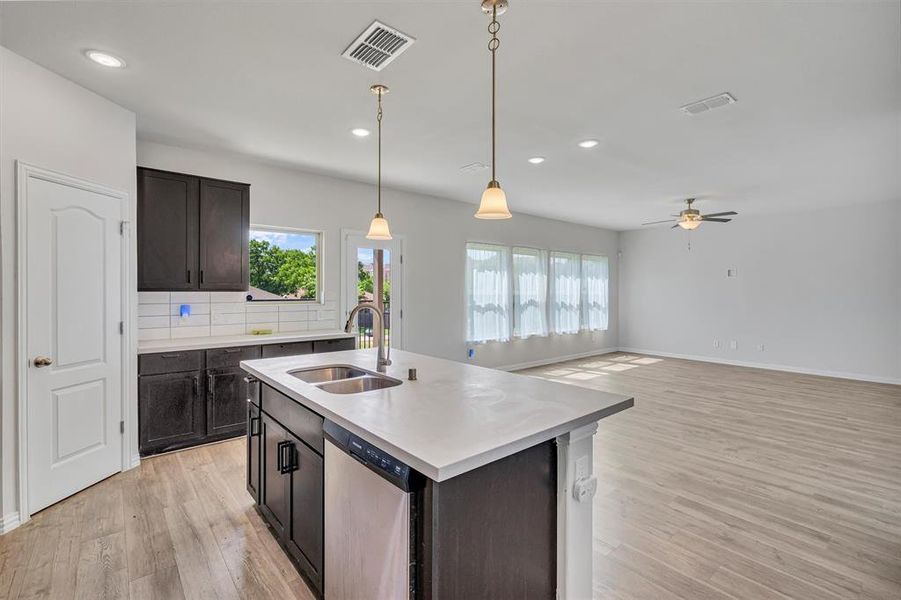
(226, 398)
(291, 496)
(172, 411)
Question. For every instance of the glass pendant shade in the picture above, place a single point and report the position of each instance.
(689, 224)
(494, 203)
(378, 228)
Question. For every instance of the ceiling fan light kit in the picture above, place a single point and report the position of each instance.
(691, 218)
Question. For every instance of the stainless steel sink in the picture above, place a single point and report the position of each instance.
(344, 379)
(325, 374)
(359, 384)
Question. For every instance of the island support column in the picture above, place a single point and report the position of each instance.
(576, 487)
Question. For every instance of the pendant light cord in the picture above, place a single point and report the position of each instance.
(493, 28)
(379, 119)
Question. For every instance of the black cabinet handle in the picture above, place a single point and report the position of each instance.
(195, 383)
(170, 355)
(287, 457)
(232, 350)
(189, 276)
(254, 426)
(293, 457)
(280, 455)
(201, 275)
(210, 388)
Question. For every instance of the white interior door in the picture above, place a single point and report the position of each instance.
(365, 260)
(73, 304)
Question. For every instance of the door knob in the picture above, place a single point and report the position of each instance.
(42, 361)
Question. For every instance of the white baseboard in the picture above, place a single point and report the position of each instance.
(554, 359)
(8, 522)
(768, 366)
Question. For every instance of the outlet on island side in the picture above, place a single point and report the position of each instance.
(733, 345)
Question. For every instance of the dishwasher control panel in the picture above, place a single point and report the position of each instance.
(379, 461)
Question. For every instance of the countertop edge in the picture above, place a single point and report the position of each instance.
(229, 341)
(446, 472)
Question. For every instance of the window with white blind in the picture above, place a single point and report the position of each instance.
(487, 293)
(565, 292)
(529, 292)
(594, 292)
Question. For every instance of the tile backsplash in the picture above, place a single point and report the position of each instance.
(226, 313)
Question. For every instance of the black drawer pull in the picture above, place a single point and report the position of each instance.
(254, 426)
(233, 350)
(170, 355)
(280, 455)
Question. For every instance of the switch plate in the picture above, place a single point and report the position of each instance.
(733, 345)
(716, 343)
(760, 347)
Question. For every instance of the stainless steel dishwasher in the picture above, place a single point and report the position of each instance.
(370, 520)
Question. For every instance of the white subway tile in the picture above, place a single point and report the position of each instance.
(196, 308)
(218, 308)
(192, 321)
(296, 307)
(261, 318)
(261, 307)
(153, 310)
(330, 305)
(290, 326)
(284, 317)
(153, 334)
(236, 329)
(250, 327)
(153, 297)
(228, 319)
(326, 314)
(228, 296)
(153, 322)
(189, 297)
(319, 325)
(185, 332)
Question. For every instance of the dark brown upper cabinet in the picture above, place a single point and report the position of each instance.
(192, 232)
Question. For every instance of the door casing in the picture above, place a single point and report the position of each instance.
(24, 172)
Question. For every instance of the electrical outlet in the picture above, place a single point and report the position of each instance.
(733, 345)
(760, 347)
(716, 343)
(731, 272)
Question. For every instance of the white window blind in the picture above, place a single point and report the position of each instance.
(566, 292)
(529, 292)
(487, 293)
(594, 292)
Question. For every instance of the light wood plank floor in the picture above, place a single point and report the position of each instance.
(728, 482)
(722, 482)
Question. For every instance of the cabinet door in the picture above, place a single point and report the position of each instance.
(224, 232)
(167, 224)
(305, 536)
(226, 397)
(171, 411)
(274, 484)
(254, 433)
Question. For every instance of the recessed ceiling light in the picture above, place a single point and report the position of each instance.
(536, 160)
(588, 143)
(360, 132)
(107, 60)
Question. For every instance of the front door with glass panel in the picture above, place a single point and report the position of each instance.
(373, 273)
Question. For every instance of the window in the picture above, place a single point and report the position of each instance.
(594, 292)
(529, 292)
(487, 293)
(566, 293)
(284, 264)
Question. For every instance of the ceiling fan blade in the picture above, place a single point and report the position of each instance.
(658, 222)
(715, 220)
(722, 214)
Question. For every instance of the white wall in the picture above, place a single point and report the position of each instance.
(52, 123)
(435, 232)
(821, 290)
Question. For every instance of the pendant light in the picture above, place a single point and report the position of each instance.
(378, 228)
(494, 200)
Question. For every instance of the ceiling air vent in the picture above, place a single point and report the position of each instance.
(706, 104)
(377, 46)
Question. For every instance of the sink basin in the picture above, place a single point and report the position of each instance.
(325, 374)
(359, 384)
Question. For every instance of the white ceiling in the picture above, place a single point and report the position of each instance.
(816, 124)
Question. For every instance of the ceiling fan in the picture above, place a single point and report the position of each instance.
(691, 218)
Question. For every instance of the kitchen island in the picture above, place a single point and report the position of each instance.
(500, 485)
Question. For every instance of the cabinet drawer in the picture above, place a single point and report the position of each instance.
(218, 358)
(287, 349)
(299, 420)
(170, 362)
(334, 345)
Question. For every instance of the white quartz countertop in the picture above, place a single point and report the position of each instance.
(224, 341)
(454, 418)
